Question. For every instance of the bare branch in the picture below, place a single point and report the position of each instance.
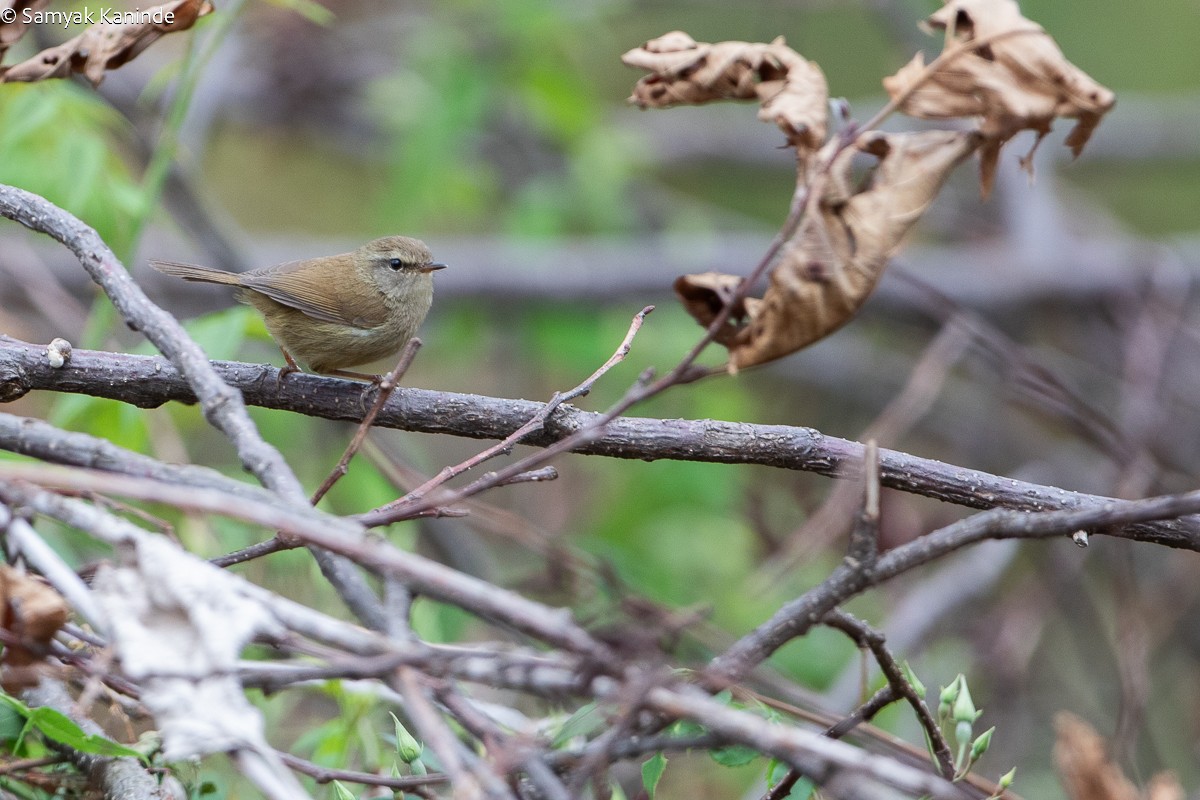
(400, 509)
(797, 617)
(868, 638)
(844, 771)
(555, 626)
(386, 385)
(327, 774)
(128, 378)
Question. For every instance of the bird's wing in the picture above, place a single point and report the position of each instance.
(308, 288)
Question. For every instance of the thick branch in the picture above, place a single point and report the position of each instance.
(150, 381)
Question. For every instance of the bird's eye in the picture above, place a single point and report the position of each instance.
(396, 264)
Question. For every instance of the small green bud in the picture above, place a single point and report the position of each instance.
(912, 678)
(947, 697)
(341, 792)
(964, 708)
(980, 745)
(1007, 779)
(407, 747)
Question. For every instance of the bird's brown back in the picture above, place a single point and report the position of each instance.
(329, 289)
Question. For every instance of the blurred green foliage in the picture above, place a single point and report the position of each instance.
(475, 117)
(1155, 199)
(64, 143)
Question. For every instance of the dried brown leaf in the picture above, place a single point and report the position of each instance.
(792, 90)
(1016, 79)
(706, 293)
(108, 45)
(1087, 770)
(1164, 786)
(32, 613)
(16, 10)
(830, 266)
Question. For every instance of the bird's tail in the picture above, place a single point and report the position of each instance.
(195, 272)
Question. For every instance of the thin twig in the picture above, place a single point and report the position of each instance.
(328, 774)
(509, 751)
(437, 735)
(867, 637)
(258, 550)
(864, 713)
(22, 764)
(278, 542)
(864, 536)
(922, 388)
(533, 476)
(387, 513)
(222, 405)
(797, 617)
(386, 385)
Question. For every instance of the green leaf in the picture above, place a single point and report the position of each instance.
(586, 720)
(58, 727)
(775, 772)
(652, 772)
(735, 756)
(804, 790)
(12, 723)
(687, 727)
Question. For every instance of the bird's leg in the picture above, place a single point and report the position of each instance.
(375, 381)
(291, 367)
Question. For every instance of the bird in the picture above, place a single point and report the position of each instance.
(334, 312)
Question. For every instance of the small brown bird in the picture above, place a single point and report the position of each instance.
(337, 311)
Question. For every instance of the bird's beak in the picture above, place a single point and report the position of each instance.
(434, 267)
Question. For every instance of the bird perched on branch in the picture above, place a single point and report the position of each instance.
(339, 311)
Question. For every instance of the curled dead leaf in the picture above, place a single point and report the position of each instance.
(826, 271)
(108, 45)
(791, 90)
(706, 293)
(32, 613)
(1010, 72)
(12, 20)
(1164, 786)
(1087, 771)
